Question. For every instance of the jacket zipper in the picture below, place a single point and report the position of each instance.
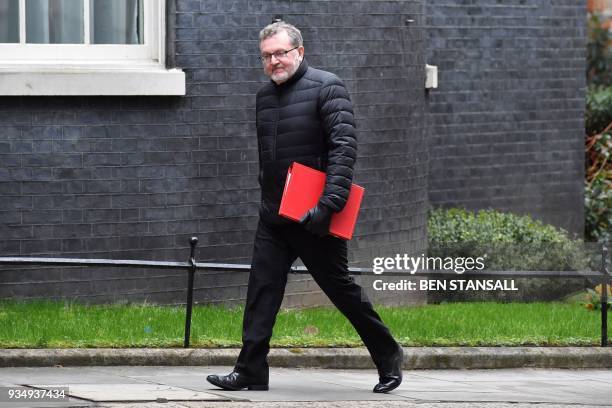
(276, 125)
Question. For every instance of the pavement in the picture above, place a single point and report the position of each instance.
(441, 377)
(185, 387)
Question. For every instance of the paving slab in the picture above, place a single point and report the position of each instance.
(16, 397)
(70, 403)
(62, 375)
(134, 392)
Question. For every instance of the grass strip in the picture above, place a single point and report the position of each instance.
(63, 325)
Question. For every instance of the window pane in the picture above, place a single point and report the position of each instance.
(54, 21)
(9, 21)
(116, 21)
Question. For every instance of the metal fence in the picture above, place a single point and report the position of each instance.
(191, 267)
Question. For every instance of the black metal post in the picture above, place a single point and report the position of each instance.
(604, 295)
(190, 277)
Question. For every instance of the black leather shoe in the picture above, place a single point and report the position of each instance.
(387, 383)
(391, 378)
(235, 382)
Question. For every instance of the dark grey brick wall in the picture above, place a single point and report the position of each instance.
(135, 177)
(507, 119)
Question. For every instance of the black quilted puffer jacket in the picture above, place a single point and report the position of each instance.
(308, 119)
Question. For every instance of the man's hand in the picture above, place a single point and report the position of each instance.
(317, 220)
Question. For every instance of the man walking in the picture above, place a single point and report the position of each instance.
(303, 115)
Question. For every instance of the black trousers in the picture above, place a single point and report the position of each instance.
(275, 249)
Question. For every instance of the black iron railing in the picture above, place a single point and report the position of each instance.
(191, 266)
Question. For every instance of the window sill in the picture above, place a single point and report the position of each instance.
(68, 79)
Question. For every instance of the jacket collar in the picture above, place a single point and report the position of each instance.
(298, 74)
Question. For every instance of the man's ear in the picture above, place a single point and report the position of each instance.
(301, 51)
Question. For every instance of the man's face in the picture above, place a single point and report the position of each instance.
(280, 69)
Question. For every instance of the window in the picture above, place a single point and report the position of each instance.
(85, 47)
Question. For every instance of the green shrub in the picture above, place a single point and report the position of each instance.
(598, 174)
(508, 241)
(598, 113)
(598, 122)
(599, 58)
(598, 207)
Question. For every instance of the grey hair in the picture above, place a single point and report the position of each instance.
(272, 29)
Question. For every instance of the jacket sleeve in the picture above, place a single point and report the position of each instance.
(336, 114)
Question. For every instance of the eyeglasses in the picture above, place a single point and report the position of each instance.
(278, 55)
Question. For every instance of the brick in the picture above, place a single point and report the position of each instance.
(72, 174)
(102, 131)
(102, 186)
(16, 202)
(102, 244)
(16, 231)
(72, 132)
(167, 157)
(130, 215)
(102, 173)
(93, 117)
(10, 160)
(10, 187)
(72, 230)
(42, 217)
(21, 146)
(9, 248)
(102, 159)
(129, 200)
(37, 247)
(102, 215)
(53, 160)
(72, 216)
(42, 133)
(42, 187)
(10, 217)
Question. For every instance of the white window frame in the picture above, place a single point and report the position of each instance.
(92, 69)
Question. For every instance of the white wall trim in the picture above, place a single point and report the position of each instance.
(92, 81)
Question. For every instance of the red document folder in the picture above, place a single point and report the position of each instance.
(303, 188)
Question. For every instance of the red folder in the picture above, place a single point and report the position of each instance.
(303, 188)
